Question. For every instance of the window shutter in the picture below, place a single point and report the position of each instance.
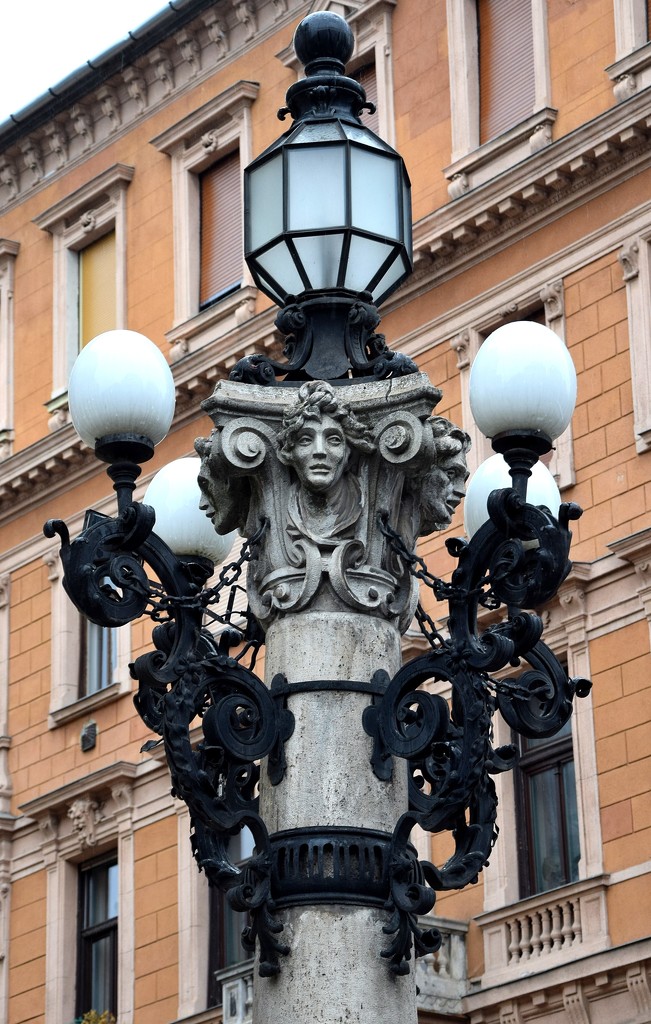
(97, 289)
(506, 68)
(221, 229)
(648, 19)
(367, 78)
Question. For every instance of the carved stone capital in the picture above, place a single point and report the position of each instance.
(318, 464)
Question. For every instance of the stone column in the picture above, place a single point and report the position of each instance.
(319, 463)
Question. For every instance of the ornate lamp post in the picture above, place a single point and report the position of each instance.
(332, 476)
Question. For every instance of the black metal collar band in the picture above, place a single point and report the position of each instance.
(281, 688)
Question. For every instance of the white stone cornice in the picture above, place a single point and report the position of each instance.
(76, 205)
(227, 104)
(185, 58)
(98, 784)
(45, 468)
(636, 549)
(578, 166)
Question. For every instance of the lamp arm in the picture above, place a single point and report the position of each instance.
(520, 557)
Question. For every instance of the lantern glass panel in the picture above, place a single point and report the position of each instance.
(365, 258)
(374, 191)
(320, 131)
(365, 136)
(265, 219)
(316, 187)
(396, 271)
(279, 265)
(321, 258)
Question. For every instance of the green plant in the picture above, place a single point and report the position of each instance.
(93, 1017)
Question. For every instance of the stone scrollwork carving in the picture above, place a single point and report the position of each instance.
(85, 815)
(319, 463)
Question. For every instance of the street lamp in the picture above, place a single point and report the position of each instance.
(334, 758)
(327, 217)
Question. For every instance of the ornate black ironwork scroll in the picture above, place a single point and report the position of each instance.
(518, 559)
(191, 677)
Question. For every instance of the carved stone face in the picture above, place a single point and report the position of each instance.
(320, 454)
(457, 474)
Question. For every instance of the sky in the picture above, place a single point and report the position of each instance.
(45, 40)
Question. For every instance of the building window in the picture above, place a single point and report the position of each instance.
(631, 72)
(8, 253)
(226, 925)
(213, 292)
(88, 662)
(98, 657)
(97, 974)
(97, 290)
(367, 78)
(506, 71)
(546, 808)
(500, 87)
(221, 230)
(88, 231)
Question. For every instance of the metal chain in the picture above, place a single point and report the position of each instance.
(161, 606)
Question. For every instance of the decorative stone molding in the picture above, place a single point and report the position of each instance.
(319, 465)
(85, 815)
(552, 299)
(636, 549)
(56, 143)
(472, 162)
(91, 211)
(629, 258)
(6, 788)
(550, 182)
(217, 28)
(544, 930)
(575, 1003)
(637, 981)
(112, 105)
(190, 51)
(195, 143)
(8, 252)
(32, 159)
(442, 977)
(90, 799)
(635, 260)
(163, 69)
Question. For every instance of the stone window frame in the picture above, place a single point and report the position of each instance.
(566, 629)
(631, 71)
(65, 702)
(79, 821)
(635, 260)
(95, 209)
(467, 342)
(196, 142)
(473, 164)
(8, 253)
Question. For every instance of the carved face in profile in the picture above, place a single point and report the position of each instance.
(320, 454)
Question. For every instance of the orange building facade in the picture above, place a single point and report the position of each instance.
(525, 126)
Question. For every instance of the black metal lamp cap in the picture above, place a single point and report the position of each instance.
(324, 43)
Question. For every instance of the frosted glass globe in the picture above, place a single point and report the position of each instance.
(493, 474)
(523, 379)
(174, 495)
(121, 384)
